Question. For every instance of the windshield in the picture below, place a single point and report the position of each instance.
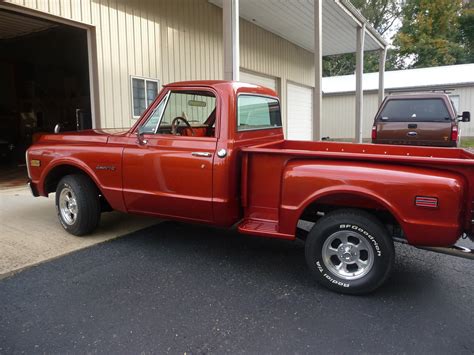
(414, 110)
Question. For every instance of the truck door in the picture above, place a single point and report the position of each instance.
(169, 173)
(416, 121)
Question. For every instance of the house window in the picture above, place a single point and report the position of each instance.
(144, 91)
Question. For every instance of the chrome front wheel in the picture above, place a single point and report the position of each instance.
(77, 204)
(68, 205)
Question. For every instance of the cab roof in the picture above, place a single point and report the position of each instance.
(223, 85)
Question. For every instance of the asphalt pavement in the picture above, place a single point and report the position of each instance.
(176, 288)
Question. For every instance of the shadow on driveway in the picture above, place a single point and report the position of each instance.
(179, 288)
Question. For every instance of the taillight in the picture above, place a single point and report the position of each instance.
(374, 132)
(454, 133)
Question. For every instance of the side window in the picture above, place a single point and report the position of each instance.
(144, 91)
(257, 112)
(189, 113)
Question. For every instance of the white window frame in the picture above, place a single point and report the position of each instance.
(146, 79)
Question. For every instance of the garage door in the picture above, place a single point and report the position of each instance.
(300, 112)
(256, 79)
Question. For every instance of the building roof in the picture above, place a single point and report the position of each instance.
(436, 77)
(294, 21)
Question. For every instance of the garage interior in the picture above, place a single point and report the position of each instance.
(44, 80)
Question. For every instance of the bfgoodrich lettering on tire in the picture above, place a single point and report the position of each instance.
(77, 204)
(349, 251)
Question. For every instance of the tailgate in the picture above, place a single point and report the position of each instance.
(419, 133)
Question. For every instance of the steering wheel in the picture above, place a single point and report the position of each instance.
(175, 123)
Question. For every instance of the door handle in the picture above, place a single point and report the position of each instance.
(201, 154)
(412, 134)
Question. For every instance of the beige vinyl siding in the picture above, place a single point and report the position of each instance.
(170, 40)
(466, 103)
(338, 115)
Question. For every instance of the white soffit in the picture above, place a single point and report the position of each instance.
(294, 21)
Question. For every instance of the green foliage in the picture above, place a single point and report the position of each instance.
(430, 34)
(466, 32)
(433, 33)
(382, 14)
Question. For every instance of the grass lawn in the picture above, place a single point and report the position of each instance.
(467, 142)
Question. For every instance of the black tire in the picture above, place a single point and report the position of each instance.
(365, 238)
(86, 196)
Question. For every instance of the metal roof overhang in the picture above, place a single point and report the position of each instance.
(294, 21)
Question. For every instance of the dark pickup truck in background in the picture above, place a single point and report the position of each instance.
(428, 119)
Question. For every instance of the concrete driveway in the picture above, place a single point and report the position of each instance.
(176, 288)
(30, 232)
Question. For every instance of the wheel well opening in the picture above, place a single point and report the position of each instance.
(57, 173)
(327, 204)
(54, 176)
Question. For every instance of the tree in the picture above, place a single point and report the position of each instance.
(466, 31)
(382, 15)
(430, 33)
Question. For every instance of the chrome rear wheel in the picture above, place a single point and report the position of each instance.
(348, 255)
(350, 251)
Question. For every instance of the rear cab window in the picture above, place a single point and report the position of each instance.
(257, 112)
(407, 110)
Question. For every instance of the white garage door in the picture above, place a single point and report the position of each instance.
(258, 80)
(300, 112)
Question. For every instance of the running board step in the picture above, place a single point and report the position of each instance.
(262, 228)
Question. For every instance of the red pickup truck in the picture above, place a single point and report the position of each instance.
(213, 152)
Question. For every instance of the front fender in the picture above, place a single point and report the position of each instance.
(381, 186)
(102, 164)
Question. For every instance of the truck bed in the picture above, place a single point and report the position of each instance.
(377, 152)
(264, 171)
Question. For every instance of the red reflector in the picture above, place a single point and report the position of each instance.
(374, 132)
(454, 134)
(423, 201)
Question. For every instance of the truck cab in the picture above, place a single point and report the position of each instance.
(181, 159)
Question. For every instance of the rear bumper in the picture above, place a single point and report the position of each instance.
(33, 189)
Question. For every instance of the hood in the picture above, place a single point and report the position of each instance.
(89, 135)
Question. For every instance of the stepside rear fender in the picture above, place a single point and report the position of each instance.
(377, 186)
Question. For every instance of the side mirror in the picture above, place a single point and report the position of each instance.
(466, 116)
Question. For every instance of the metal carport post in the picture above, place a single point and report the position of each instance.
(230, 23)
